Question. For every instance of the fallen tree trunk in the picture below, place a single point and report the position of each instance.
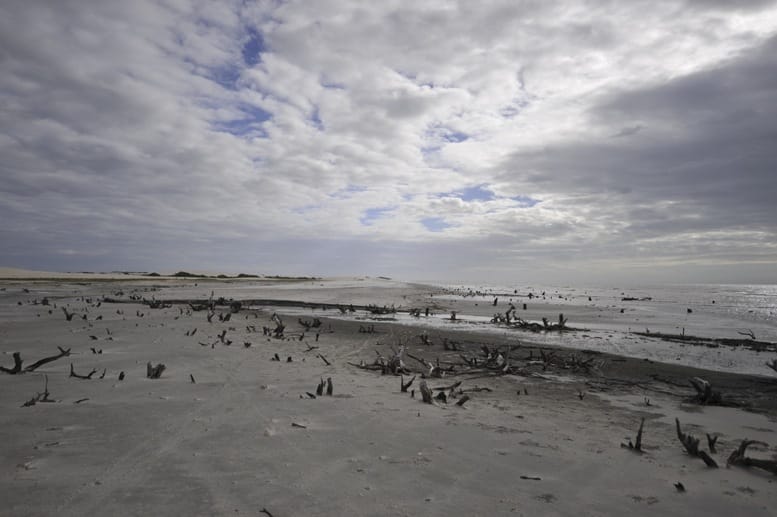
(17, 359)
(738, 458)
(37, 364)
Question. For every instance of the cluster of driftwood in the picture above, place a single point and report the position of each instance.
(510, 319)
(751, 343)
(17, 368)
(692, 446)
(490, 361)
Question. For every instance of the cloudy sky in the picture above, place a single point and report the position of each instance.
(517, 141)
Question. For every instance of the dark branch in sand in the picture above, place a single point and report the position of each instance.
(637, 445)
(79, 376)
(691, 445)
(738, 458)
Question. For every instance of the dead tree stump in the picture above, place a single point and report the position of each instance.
(154, 372)
(691, 445)
(426, 393)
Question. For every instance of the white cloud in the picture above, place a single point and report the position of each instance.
(141, 124)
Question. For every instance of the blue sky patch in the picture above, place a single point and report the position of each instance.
(227, 76)
(253, 48)
(315, 118)
(373, 214)
(525, 201)
(455, 136)
(345, 193)
(476, 193)
(435, 224)
(249, 123)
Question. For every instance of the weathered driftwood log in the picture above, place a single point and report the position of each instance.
(403, 386)
(738, 458)
(79, 376)
(37, 364)
(279, 326)
(637, 445)
(711, 441)
(462, 400)
(426, 393)
(40, 397)
(324, 359)
(691, 445)
(17, 365)
(154, 372)
(17, 358)
(704, 391)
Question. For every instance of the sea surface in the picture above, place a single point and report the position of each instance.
(609, 317)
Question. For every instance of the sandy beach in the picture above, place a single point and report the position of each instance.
(228, 430)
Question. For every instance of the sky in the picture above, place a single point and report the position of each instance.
(492, 141)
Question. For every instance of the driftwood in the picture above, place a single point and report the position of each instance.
(738, 458)
(637, 445)
(329, 386)
(320, 388)
(79, 376)
(773, 365)
(40, 397)
(324, 359)
(462, 400)
(711, 441)
(154, 372)
(426, 393)
(404, 386)
(691, 445)
(279, 326)
(17, 358)
(17, 365)
(704, 392)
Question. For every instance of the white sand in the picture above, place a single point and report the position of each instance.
(226, 445)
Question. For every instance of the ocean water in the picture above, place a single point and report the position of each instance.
(712, 311)
(608, 323)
